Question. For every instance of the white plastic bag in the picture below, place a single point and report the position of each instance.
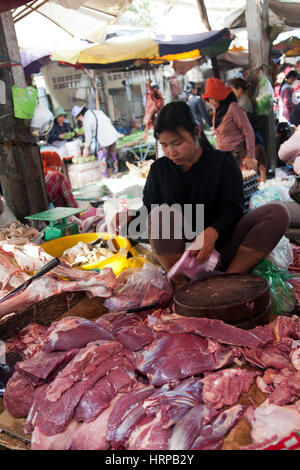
(282, 254)
(119, 204)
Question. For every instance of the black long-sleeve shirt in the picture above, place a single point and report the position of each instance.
(215, 180)
(57, 130)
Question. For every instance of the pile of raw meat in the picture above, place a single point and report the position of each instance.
(155, 381)
(18, 263)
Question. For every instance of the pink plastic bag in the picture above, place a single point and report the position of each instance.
(189, 266)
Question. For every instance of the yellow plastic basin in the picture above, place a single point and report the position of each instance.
(117, 262)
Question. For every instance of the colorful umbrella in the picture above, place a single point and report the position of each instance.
(154, 47)
(290, 47)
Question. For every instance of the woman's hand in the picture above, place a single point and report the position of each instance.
(251, 163)
(85, 152)
(204, 244)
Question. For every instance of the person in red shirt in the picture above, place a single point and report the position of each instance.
(58, 188)
(230, 122)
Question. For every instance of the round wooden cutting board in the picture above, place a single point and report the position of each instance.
(232, 298)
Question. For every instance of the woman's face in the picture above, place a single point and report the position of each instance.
(181, 146)
(291, 79)
(60, 119)
(238, 92)
(214, 103)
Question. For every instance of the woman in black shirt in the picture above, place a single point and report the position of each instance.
(200, 180)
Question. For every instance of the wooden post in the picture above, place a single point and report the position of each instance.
(205, 21)
(96, 90)
(21, 171)
(257, 18)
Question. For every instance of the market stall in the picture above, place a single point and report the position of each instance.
(108, 334)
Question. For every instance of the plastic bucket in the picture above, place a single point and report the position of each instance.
(117, 262)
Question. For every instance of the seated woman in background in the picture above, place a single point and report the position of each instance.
(230, 122)
(58, 188)
(61, 131)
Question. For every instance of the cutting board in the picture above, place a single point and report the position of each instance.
(233, 298)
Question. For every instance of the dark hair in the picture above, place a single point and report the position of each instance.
(239, 83)
(83, 111)
(223, 108)
(176, 115)
(292, 73)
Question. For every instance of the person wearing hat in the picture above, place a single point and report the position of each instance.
(195, 103)
(100, 137)
(230, 122)
(61, 131)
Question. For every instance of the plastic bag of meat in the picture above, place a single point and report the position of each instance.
(189, 266)
(139, 287)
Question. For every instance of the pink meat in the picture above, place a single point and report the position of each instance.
(295, 358)
(84, 363)
(73, 332)
(42, 364)
(11, 275)
(124, 321)
(92, 436)
(28, 341)
(172, 404)
(177, 356)
(187, 430)
(286, 327)
(127, 412)
(214, 329)
(54, 405)
(287, 391)
(270, 421)
(60, 441)
(135, 338)
(95, 285)
(276, 355)
(19, 394)
(120, 377)
(223, 388)
(149, 435)
(213, 434)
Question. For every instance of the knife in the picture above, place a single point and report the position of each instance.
(45, 269)
(140, 309)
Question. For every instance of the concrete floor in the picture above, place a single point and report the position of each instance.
(7, 217)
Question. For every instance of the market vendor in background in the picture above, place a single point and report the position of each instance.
(61, 131)
(197, 106)
(193, 173)
(231, 125)
(240, 89)
(287, 99)
(100, 137)
(57, 186)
